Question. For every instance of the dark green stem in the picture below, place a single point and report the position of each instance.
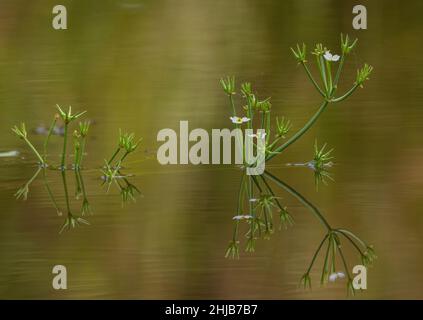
(303, 200)
(298, 135)
(114, 156)
(312, 79)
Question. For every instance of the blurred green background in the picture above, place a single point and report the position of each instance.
(144, 66)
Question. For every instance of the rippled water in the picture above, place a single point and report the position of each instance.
(146, 65)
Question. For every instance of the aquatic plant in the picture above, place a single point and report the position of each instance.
(256, 199)
(128, 144)
(80, 137)
(23, 134)
(23, 191)
(67, 118)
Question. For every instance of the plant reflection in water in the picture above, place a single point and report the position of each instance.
(128, 191)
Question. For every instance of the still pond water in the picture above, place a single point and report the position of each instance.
(145, 65)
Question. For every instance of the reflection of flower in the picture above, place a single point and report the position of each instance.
(336, 275)
(329, 57)
(238, 120)
(242, 217)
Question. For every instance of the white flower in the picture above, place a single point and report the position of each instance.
(238, 120)
(336, 275)
(333, 277)
(329, 57)
(241, 217)
(253, 200)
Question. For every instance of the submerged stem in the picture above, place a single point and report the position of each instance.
(303, 200)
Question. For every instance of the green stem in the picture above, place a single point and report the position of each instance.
(329, 77)
(65, 187)
(316, 253)
(295, 137)
(325, 263)
(344, 262)
(81, 152)
(303, 200)
(82, 184)
(240, 195)
(343, 231)
(231, 99)
(124, 156)
(310, 76)
(346, 95)
(65, 141)
(352, 242)
(50, 131)
(338, 72)
(271, 192)
(40, 158)
(323, 73)
(114, 156)
(50, 193)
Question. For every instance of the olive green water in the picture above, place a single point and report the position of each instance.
(146, 65)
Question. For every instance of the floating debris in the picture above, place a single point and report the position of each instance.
(9, 154)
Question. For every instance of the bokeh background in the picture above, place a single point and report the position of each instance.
(145, 65)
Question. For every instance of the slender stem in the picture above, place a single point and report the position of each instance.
(34, 176)
(114, 156)
(268, 127)
(235, 234)
(65, 187)
(65, 141)
(346, 95)
(50, 193)
(352, 242)
(323, 73)
(343, 231)
(50, 131)
(344, 262)
(296, 136)
(240, 195)
(329, 77)
(303, 200)
(231, 99)
(124, 156)
(257, 184)
(250, 196)
(271, 192)
(35, 151)
(338, 72)
(325, 264)
(81, 152)
(310, 76)
(316, 253)
(82, 184)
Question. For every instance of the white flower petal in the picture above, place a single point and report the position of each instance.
(236, 120)
(328, 56)
(341, 275)
(245, 119)
(333, 277)
(335, 57)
